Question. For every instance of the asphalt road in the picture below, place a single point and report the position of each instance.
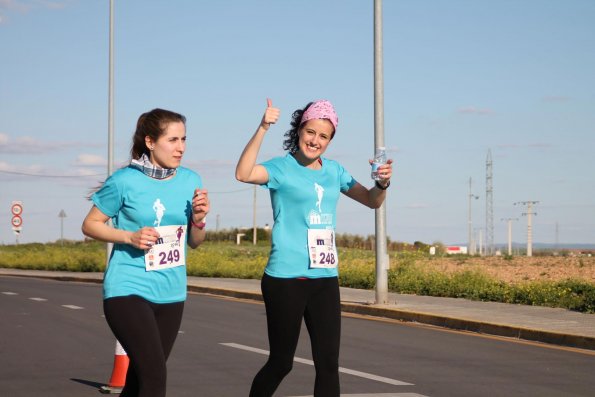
(55, 342)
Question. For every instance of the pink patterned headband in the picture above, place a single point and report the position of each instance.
(321, 109)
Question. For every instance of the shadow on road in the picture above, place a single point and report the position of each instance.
(91, 383)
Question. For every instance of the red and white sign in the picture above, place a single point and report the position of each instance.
(454, 249)
(17, 220)
(16, 208)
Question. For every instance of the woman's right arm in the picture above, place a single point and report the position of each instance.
(247, 170)
(95, 226)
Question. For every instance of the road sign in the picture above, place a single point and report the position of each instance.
(16, 221)
(16, 208)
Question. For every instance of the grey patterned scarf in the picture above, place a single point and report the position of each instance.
(144, 164)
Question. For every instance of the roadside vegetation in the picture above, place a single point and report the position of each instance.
(412, 269)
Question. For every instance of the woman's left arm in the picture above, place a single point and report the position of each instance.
(200, 209)
(373, 197)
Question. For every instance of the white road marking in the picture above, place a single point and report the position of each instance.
(38, 299)
(377, 395)
(73, 307)
(9, 293)
(341, 369)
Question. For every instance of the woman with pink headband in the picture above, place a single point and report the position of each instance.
(300, 280)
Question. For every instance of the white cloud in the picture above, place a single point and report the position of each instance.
(23, 145)
(14, 5)
(25, 6)
(29, 145)
(12, 169)
(90, 160)
(8, 170)
(86, 172)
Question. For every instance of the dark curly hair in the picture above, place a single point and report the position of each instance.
(292, 137)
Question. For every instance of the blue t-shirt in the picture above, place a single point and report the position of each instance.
(134, 200)
(302, 199)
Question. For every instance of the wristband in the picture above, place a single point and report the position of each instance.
(200, 225)
(379, 186)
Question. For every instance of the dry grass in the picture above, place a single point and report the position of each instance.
(518, 269)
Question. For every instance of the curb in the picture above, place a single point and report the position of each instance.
(568, 340)
(226, 292)
(576, 341)
(553, 338)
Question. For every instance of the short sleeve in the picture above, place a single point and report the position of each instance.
(346, 181)
(274, 168)
(109, 198)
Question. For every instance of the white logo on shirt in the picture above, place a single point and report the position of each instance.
(320, 193)
(159, 209)
(317, 217)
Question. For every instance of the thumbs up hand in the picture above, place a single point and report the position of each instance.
(271, 115)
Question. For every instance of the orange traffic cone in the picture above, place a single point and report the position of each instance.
(118, 378)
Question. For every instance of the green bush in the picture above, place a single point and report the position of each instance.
(70, 256)
(221, 258)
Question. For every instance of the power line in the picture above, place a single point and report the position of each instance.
(102, 174)
(49, 175)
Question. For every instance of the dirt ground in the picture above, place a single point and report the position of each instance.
(519, 269)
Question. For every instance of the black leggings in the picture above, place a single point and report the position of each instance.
(147, 331)
(287, 301)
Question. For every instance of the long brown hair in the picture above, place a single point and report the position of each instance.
(152, 124)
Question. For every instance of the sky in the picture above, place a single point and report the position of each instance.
(461, 78)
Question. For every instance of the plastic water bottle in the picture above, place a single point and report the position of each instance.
(379, 159)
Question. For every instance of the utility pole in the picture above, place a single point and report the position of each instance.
(382, 261)
(489, 248)
(62, 215)
(470, 241)
(110, 111)
(254, 228)
(529, 215)
(509, 220)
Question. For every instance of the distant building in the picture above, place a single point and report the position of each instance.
(456, 249)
